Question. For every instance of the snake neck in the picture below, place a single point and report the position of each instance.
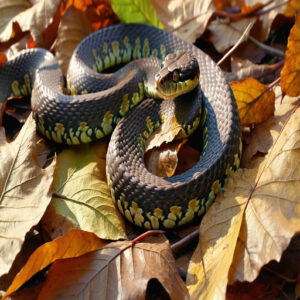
(150, 66)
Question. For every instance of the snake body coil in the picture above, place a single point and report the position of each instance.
(99, 101)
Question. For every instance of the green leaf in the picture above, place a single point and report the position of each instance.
(135, 11)
(82, 199)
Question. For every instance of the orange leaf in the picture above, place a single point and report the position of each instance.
(255, 102)
(292, 8)
(75, 243)
(290, 74)
(249, 9)
(3, 59)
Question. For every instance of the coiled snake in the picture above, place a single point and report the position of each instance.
(98, 103)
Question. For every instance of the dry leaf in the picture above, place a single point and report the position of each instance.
(18, 15)
(243, 68)
(163, 161)
(24, 192)
(255, 102)
(266, 19)
(75, 243)
(187, 19)
(74, 26)
(226, 33)
(290, 74)
(258, 234)
(85, 202)
(264, 134)
(292, 8)
(117, 271)
(3, 59)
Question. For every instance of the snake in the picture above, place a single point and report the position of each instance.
(125, 80)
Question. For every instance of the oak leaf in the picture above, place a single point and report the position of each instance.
(119, 270)
(253, 223)
(24, 192)
(255, 102)
(82, 198)
(75, 243)
(290, 74)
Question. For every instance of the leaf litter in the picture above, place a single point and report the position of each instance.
(251, 224)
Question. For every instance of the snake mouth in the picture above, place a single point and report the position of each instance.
(170, 89)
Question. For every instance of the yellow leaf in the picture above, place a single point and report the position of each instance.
(24, 192)
(290, 74)
(255, 102)
(237, 240)
(118, 271)
(292, 8)
(85, 200)
(75, 243)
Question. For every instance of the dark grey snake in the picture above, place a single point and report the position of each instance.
(97, 103)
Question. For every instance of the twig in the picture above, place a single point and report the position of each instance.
(276, 81)
(280, 275)
(241, 39)
(176, 247)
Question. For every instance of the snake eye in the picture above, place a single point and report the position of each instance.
(175, 76)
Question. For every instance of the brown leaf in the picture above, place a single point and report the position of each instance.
(263, 135)
(187, 19)
(226, 33)
(255, 102)
(34, 18)
(118, 270)
(73, 27)
(290, 74)
(75, 243)
(24, 192)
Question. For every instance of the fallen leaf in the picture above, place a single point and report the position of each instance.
(24, 192)
(292, 8)
(255, 102)
(75, 243)
(264, 134)
(118, 270)
(35, 18)
(85, 200)
(243, 68)
(133, 11)
(273, 212)
(237, 240)
(226, 33)
(290, 74)
(74, 26)
(245, 9)
(187, 19)
(163, 161)
(3, 59)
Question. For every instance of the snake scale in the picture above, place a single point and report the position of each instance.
(100, 103)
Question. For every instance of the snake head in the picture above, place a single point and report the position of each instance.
(179, 75)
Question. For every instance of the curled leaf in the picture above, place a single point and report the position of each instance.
(118, 270)
(75, 243)
(290, 74)
(255, 102)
